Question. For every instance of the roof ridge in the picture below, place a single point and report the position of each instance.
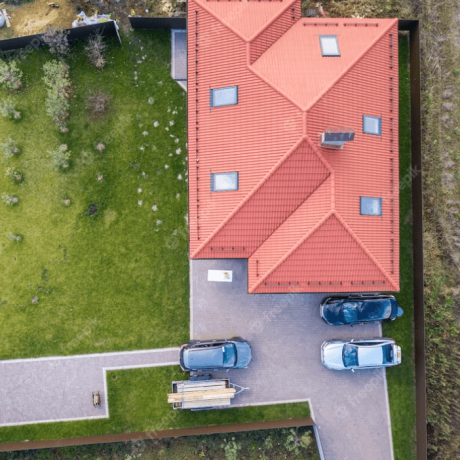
(291, 251)
(269, 23)
(351, 66)
(256, 34)
(249, 196)
(366, 251)
(268, 82)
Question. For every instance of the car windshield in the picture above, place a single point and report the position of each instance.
(388, 354)
(350, 355)
(386, 308)
(350, 311)
(375, 310)
(229, 355)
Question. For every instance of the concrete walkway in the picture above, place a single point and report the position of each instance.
(60, 388)
(286, 333)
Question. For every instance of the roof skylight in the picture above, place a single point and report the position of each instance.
(222, 182)
(329, 45)
(224, 96)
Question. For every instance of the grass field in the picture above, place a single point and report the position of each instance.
(118, 279)
(137, 402)
(401, 379)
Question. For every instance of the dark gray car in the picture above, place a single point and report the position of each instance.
(214, 355)
(359, 309)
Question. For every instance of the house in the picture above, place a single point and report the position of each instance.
(293, 145)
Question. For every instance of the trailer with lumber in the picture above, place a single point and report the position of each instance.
(203, 393)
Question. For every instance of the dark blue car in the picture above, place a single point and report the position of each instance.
(214, 355)
(359, 309)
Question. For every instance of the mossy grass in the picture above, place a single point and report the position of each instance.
(116, 279)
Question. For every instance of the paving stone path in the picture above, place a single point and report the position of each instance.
(286, 333)
(60, 388)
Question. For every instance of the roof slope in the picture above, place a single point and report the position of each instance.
(295, 215)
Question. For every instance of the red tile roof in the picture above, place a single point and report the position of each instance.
(296, 213)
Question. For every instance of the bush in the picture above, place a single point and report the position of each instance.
(8, 109)
(59, 92)
(57, 41)
(17, 177)
(96, 50)
(98, 104)
(9, 148)
(10, 75)
(60, 157)
(14, 237)
(9, 199)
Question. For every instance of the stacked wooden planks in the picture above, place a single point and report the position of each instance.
(210, 393)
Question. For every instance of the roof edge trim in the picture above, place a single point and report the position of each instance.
(351, 66)
(290, 252)
(248, 197)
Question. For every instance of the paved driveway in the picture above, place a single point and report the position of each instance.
(286, 332)
(60, 388)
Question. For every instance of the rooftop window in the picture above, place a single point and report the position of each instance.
(224, 96)
(329, 45)
(372, 125)
(370, 206)
(223, 182)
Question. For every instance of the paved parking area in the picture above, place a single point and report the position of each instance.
(286, 333)
(60, 388)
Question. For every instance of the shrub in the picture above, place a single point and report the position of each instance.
(60, 157)
(9, 199)
(17, 177)
(96, 50)
(8, 109)
(100, 146)
(59, 92)
(14, 237)
(98, 104)
(9, 148)
(10, 75)
(57, 41)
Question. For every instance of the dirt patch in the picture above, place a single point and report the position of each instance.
(36, 17)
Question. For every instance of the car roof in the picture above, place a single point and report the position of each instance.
(204, 357)
(370, 356)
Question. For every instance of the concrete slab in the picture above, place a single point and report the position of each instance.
(286, 333)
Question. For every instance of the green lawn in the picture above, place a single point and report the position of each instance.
(116, 280)
(137, 402)
(401, 379)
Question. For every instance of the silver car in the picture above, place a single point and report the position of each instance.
(354, 354)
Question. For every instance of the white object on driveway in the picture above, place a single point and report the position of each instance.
(220, 275)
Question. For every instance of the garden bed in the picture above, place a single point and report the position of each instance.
(106, 270)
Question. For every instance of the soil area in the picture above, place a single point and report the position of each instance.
(34, 17)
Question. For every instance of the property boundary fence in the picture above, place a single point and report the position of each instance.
(413, 26)
(108, 29)
(237, 427)
(158, 23)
